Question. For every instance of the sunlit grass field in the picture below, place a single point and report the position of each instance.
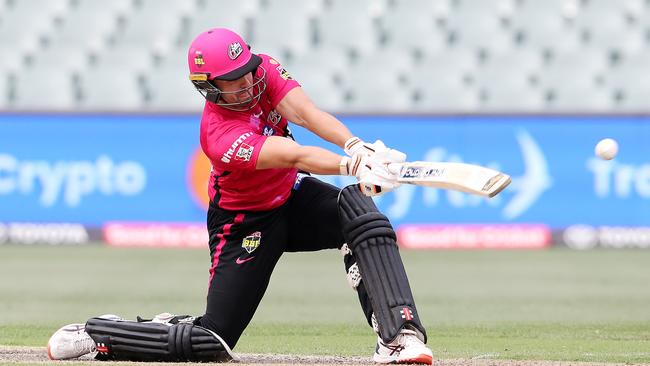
(538, 305)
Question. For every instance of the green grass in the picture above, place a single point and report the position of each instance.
(537, 305)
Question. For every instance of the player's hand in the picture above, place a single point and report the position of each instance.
(377, 149)
(373, 174)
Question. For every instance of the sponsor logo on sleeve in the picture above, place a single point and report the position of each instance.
(228, 154)
(244, 153)
(252, 242)
(283, 73)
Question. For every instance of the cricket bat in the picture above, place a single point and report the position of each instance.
(462, 177)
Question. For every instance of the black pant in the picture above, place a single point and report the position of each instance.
(245, 246)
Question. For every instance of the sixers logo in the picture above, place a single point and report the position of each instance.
(234, 50)
(274, 117)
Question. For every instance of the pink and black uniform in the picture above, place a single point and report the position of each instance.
(256, 215)
(232, 140)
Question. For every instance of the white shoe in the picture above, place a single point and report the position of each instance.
(406, 348)
(71, 341)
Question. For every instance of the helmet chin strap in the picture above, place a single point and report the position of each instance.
(254, 92)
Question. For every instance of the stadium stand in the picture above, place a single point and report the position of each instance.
(350, 56)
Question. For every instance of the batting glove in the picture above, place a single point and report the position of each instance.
(373, 174)
(355, 145)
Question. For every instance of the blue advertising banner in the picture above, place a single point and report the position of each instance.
(91, 169)
(95, 168)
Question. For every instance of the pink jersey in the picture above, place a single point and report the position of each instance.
(233, 140)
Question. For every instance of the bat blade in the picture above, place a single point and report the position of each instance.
(462, 177)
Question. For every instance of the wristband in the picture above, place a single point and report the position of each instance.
(344, 166)
(351, 145)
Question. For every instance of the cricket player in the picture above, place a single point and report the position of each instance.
(263, 202)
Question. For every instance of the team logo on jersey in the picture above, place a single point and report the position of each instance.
(283, 73)
(234, 50)
(274, 117)
(198, 59)
(244, 153)
(252, 242)
(268, 131)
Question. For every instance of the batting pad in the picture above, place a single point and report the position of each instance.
(372, 240)
(145, 341)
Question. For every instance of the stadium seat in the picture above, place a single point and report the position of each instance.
(322, 86)
(214, 14)
(279, 9)
(630, 78)
(577, 99)
(137, 29)
(362, 8)
(203, 21)
(446, 98)
(442, 81)
(446, 55)
(4, 91)
(505, 80)
(111, 88)
(638, 12)
(176, 93)
(452, 63)
(295, 35)
(63, 58)
(326, 59)
(439, 9)
(514, 98)
(126, 58)
(579, 67)
(516, 67)
(384, 60)
(351, 25)
(605, 24)
(421, 31)
(84, 28)
(384, 95)
(26, 22)
(230, 8)
(12, 58)
(635, 98)
(487, 19)
(377, 81)
(44, 90)
(546, 24)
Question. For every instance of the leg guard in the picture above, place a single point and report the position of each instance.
(146, 341)
(373, 242)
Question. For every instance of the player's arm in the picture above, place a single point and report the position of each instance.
(299, 109)
(281, 152)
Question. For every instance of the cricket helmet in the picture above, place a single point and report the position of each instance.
(221, 54)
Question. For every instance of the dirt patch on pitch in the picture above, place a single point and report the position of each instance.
(33, 355)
